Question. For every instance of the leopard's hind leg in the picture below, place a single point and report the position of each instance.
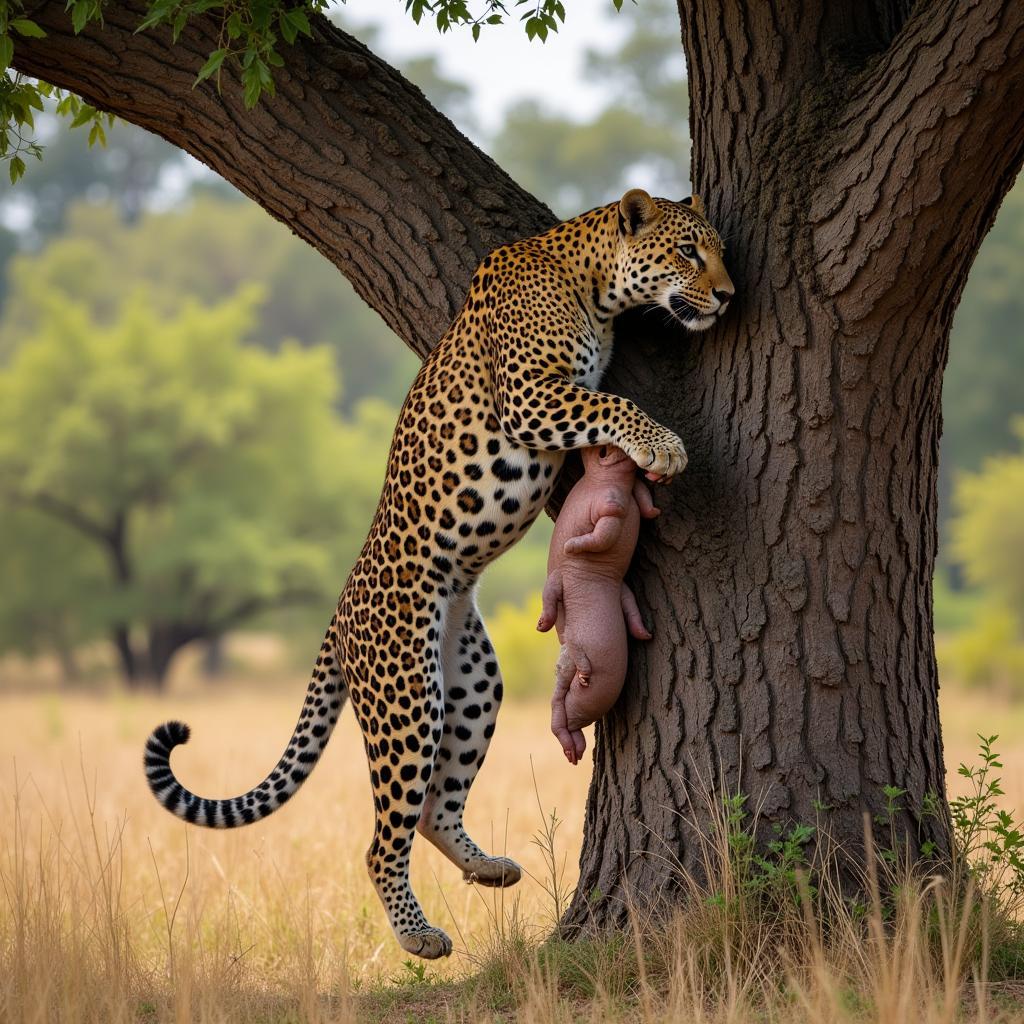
(400, 710)
(472, 697)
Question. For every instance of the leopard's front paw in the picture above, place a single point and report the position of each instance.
(659, 453)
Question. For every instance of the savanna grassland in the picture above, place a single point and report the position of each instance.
(112, 910)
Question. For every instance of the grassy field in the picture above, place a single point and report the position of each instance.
(112, 910)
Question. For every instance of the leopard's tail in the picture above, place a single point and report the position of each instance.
(325, 698)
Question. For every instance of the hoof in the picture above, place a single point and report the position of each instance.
(497, 872)
(428, 943)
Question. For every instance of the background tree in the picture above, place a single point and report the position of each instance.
(211, 249)
(854, 155)
(51, 580)
(151, 441)
(574, 164)
(988, 531)
(982, 390)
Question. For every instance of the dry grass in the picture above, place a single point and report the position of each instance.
(111, 910)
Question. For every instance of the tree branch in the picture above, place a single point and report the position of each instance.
(57, 508)
(932, 140)
(253, 606)
(763, 71)
(349, 155)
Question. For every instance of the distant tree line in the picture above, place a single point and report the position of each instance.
(187, 439)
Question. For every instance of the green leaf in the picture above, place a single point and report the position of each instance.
(97, 134)
(16, 168)
(6, 52)
(417, 8)
(266, 79)
(79, 16)
(298, 19)
(212, 65)
(178, 24)
(27, 27)
(84, 115)
(252, 88)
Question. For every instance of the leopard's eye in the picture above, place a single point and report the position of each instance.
(689, 251)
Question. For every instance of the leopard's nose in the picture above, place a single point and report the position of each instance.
(723, 294)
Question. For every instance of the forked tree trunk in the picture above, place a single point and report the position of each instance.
(790, 579)
(853, 154)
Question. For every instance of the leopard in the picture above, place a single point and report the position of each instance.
(506, 393)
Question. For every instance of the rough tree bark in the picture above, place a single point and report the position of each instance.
(853, 154)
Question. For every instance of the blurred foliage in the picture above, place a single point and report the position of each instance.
(129, 171)
(988, 653)
(982, 387)
(187, 481)
(640, 136)
(47, 570)
(206, 250)
(575, 166)
(988, 528)
(985, 645)
(954, 608)
(515, 576)
(527, 657)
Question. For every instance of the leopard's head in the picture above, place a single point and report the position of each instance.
(671, 256)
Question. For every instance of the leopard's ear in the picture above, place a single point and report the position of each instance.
(695, 203)
(638, 212)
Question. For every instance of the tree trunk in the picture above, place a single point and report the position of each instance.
(214, 658)
(853, 154)
(147, 669)
(789, 576)
(166, 642)
(70, 672)
(131, 670)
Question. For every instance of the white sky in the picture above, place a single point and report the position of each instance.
(504, 66)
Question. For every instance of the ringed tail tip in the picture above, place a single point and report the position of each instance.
(168, 736)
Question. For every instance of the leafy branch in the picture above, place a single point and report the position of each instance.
(21, 97)
(252, 34)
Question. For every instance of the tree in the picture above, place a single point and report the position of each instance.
(209, 248)
(853, 154)
(573, 163)
(135, 457)
(639, 136)
(51, 580)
